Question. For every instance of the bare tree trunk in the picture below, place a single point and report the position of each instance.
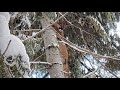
(52, 51)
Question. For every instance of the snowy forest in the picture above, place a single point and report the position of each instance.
(59, 44)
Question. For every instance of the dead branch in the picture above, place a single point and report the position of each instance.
(6, 48)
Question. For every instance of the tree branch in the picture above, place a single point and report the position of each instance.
(36, 30)
(39, 57)
(44, 63)
(91, 73)
(6, 48)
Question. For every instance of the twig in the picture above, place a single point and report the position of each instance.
(39, 57)
(6, 48)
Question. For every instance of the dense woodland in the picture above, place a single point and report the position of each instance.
(67, 44)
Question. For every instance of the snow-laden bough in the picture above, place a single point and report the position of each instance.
(16, 52)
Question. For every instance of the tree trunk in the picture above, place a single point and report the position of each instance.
(52, 51)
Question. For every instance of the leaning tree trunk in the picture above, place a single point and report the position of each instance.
(52, 51)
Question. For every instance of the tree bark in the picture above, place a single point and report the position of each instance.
(52, 51)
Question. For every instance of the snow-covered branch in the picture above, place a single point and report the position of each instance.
(12, 47)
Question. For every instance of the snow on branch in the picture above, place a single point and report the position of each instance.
(38, 62)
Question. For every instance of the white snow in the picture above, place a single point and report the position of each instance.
(118, 29)
(6, 15)
(26, 20)
(98, 23)
(14, 15)
(4, 28)
(115, 31)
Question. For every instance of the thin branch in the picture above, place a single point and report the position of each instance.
(91, 73)
(6, 48)
(88, 61)
(85, 66)
(40, 32)
(39, 57)
(28, 30)
(44, 63)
